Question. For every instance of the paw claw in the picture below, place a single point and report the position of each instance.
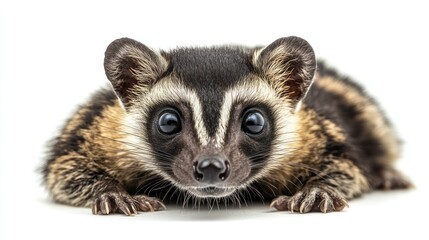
(340, 204)
(162, 206)
(279, 203)
(301, 209)
(94, 210)
(106, 209)
(133, 207)
(292, 205)
(149, 206)
(126, 211)
(324, 206)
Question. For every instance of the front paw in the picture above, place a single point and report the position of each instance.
(120, 202)
(311, 199)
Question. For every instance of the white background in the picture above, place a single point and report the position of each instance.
(52, 58)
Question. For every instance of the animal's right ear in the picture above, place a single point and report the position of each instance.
(132, 68)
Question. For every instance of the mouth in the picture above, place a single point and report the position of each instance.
(211, 191)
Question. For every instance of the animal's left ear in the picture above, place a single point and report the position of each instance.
(289, 65)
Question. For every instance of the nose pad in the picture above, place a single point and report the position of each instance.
(211, 170)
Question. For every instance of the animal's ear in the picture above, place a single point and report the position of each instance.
(289, 65)
(132, 68)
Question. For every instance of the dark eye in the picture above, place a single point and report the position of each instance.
(169, 122)
(253, 122)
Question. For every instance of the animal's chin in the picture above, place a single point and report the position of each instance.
(211, 191)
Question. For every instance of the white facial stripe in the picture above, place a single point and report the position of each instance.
(168, 89)
(286, 122)
(249, 90)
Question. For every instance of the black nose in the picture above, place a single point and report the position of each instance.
(211, 170)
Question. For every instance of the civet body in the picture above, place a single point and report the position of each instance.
(222, 124)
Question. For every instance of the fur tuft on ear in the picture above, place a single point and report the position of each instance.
(132, 68)
(289, 65)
